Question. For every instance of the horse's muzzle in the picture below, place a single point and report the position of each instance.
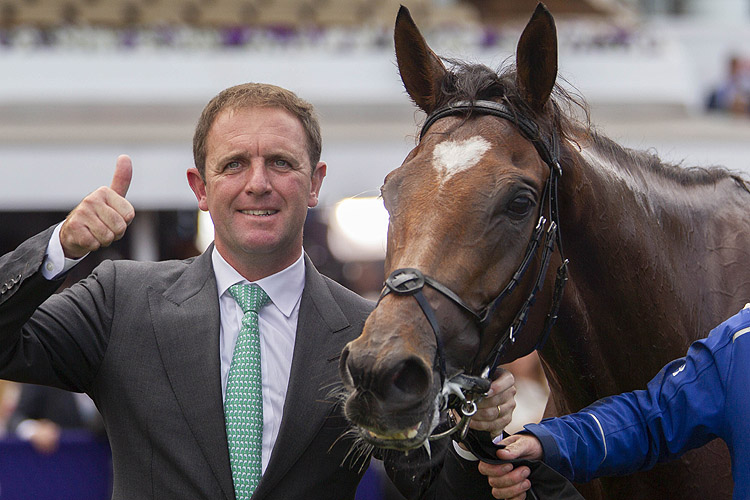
(391, 397)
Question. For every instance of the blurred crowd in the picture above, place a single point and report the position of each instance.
(584, 36)
(732, 95)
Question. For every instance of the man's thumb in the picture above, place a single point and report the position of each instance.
(123, 175)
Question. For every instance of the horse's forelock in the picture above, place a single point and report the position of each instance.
(471, 82)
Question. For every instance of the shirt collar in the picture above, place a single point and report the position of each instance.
(284, 288)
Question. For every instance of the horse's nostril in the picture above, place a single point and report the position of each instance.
(401, 382)
(412, 378)
(344, 373)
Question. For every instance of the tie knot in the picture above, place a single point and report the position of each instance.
(249, 297)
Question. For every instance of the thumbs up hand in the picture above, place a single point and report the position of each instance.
(102, 217)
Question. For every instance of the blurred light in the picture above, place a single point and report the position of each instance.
(357, 229)
(205, 233)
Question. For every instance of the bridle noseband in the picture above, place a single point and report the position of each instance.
(464, 388)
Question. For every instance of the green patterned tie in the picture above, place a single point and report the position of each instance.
(243, 406)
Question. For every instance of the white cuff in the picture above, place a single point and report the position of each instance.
(466, 455)
(55, 263)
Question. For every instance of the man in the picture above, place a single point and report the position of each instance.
(43, 413)
(692, 401)
(153, 344)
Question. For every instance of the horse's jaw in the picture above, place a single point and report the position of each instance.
(416, 436)
(393, 430)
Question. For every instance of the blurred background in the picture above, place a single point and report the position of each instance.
(82, 81)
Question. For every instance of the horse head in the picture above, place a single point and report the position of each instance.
(467, 218)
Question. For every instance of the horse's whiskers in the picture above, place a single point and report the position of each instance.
(337, 393)
(349, 433)
(359, 452)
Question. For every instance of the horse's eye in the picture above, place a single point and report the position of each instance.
(520, 206)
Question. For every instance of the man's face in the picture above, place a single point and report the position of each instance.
(258, 186)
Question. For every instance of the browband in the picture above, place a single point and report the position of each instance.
(548, 152)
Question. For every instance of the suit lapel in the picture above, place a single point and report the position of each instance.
(187, 322)
(314, 367)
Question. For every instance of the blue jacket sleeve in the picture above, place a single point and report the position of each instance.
(682, 408)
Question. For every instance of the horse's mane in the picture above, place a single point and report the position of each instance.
(650, 161)
(569, 115)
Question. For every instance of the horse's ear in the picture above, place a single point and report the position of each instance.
(421, 70)
(536, 58)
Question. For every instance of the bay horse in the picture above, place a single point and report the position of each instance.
(505, 185)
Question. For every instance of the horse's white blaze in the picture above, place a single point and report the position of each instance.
(451, 157)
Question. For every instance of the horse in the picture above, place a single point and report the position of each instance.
(508, 182)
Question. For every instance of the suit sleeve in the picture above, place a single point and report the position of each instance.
(46, 338)
(682, 408)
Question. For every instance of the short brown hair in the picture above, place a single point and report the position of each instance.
(257, 95)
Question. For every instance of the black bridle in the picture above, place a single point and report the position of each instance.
(410, 281)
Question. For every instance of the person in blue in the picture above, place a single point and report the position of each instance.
(690, 402)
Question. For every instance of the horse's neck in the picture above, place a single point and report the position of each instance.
(646, 274)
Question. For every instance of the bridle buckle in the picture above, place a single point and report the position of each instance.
(406, 281)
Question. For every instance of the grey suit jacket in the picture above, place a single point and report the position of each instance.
(142, 340)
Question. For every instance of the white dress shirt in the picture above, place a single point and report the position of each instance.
(277, 324)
